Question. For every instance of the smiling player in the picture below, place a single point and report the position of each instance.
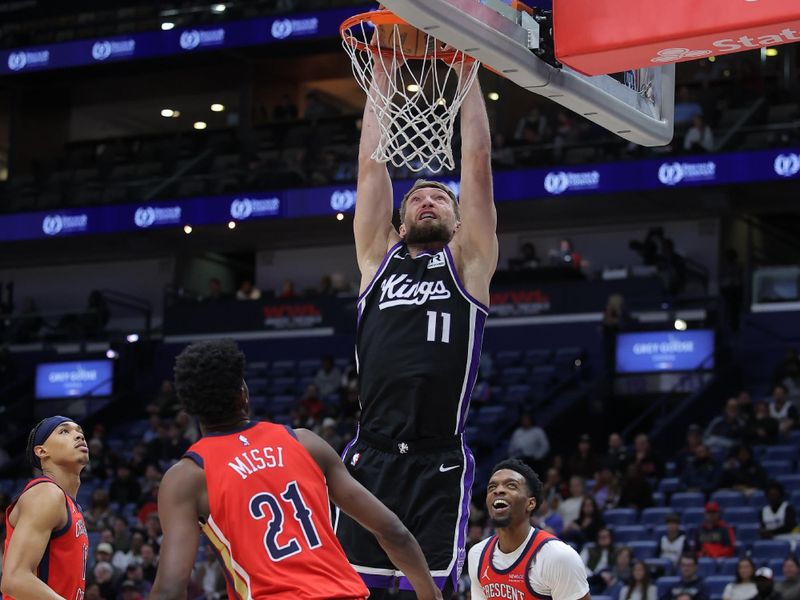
(521, 561)
(46, 544)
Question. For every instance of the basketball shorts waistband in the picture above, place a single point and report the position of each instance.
(387, 444)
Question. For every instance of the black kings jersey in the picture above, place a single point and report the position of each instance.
(418, 347)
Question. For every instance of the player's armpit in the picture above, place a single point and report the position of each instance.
(355, 500)
(40, 511)
(178, 510)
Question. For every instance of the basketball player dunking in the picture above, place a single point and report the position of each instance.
(46, 542)
(259, 491)
(421, 312)
(521, 561)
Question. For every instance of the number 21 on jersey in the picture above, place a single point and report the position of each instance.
(302, 514)
(433, 326)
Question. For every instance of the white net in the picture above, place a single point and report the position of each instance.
(426, 85)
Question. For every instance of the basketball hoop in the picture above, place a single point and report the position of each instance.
(417, 111)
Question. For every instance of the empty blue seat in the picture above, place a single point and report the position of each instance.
(776, 564)
(283, 368)
(764, 550)
(643, 550)
(790, 483)
(517, 393)
(343, 362)
(692, 517)
(795, 499)
(539, 356)
(473, 435)
(543, 374)
(670, 468)
(706, 566)
(624, 534)
(776, 468)
(729, 498)
(257, 385)
(780, 453)
(281, 405)
(508, 358)
(282, 385)
(659, 565)
(757, 498)
(683, 500)
(308, 367)
(668, 485)
(620, 516)
(659, 499)
(490, 416)
(727, 566)
(512, 375)
(716, 584)
(741, 514)
(747, 533)
(665, 584)
(567, 356)
(794, 437)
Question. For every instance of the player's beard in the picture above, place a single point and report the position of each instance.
(419, 234)
(500, 523)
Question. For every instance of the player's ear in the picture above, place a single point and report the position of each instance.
(403, 231)
(531, 505)
(458, 225)
(40, 451)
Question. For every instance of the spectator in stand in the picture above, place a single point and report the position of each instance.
(247, 291)
(699, 138)
(639, 586)
(565, 255)
(686, 109)
(122, 560)
(99, 461)
(673, 544)
(148, 504)
(602, 555)
(789, 588)
(529, 442)
(122, 536)
(546, 518)
(643, 455)
(128, 591)
(165, 405)
(618, 456)
(616, 577)
(329, 434)
(326, 287)
(727, 429)
(586, 526)
(328, 377)
(693, 439)
(502, 154)
(605, 490)
(714, 538)
(210, 577)
(317, 108)
(102, 554)
(766, 585)
(135, 574)
(746, 407)
(527, 259)
(784, 411)
(636, 491)
(312, 403)
(285, 110)
(570, 508)
(551, 488)
(762, 428)
(671, 268)
(103, 575)
(188, 427)
(148, 564)
(702, 474)
(690, 583)
(742, 472)
(583, 461)
(215, 293)
(778, 517)
(99, 515)
(532, 128)
(124, 488)
(616, 318)
(287, 290)
(743, 587)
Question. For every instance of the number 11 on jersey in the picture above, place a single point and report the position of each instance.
(433, 318)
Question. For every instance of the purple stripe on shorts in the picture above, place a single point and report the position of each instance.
(475, 362)
(377, 581)
(405, 585)
(463, 524)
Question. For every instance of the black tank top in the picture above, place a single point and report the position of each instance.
(418, 347)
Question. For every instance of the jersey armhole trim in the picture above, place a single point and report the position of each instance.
(195, 458)
(451, 265)
(291, 431)
(530, 564)
(381, 268)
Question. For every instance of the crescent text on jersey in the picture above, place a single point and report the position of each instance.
(400, 290)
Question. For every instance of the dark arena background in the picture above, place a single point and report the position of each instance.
(179, 171)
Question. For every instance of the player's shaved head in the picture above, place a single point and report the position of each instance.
(209, 378)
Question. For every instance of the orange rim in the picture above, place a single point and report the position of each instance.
(387, 17)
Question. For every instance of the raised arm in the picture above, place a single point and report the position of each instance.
(355, 500)
(178, 509)
(478, 235)
(372, 225)
(40, 511)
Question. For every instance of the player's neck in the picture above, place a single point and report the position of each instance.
(512, 537)
(69, 481)
(226, 426)
(416, 249)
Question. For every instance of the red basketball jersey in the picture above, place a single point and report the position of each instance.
(63, 565)
(269, 520)
(512, 582)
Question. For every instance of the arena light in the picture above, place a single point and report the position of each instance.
(200, 125)
(412, 87)
(218, 8)
(493, 96)
(187, 229)
(167, 26)
(217, 107)
(231, 224)
(771, 52)
(132, 338)
(680, 325)
(340, 216)
(167, 113)
(112, 354)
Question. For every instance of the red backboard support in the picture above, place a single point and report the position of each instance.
(596, 37)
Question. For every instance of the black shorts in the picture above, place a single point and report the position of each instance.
(428, 485)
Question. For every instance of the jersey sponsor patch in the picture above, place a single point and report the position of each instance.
(400, 290)
(437, 261)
